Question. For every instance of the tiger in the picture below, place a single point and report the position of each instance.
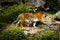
(25, 19)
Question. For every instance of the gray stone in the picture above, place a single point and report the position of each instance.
(57, 15)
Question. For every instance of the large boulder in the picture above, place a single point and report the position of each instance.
(57, 16)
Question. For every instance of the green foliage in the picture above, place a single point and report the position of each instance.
(45, 36)
(13, 34)
(53, 5)
(33, 9)
(1, 25)
(10, 14)
(56, 35)
(48, 35)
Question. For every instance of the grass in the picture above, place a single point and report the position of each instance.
(15, 33)
(45, 36)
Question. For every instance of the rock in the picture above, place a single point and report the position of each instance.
(58, 25)
(31, 30)
(57, 16)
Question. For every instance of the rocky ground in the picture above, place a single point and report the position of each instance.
(31, 30)
(54, 26)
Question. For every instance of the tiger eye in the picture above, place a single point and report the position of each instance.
(45, 16)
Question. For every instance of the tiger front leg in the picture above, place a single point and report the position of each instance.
(21, 25)
(17, 23)
(34, 25)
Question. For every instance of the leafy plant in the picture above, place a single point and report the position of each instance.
(45, 36)
(11, 13)
(13, 34)
(53, 5)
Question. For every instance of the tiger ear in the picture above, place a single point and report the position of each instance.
(46, 14)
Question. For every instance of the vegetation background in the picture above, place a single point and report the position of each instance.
(9, 13)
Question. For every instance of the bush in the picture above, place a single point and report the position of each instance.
(48, 35)
(45, 36)
(13, 34)
(10, 14)
(53, 5)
